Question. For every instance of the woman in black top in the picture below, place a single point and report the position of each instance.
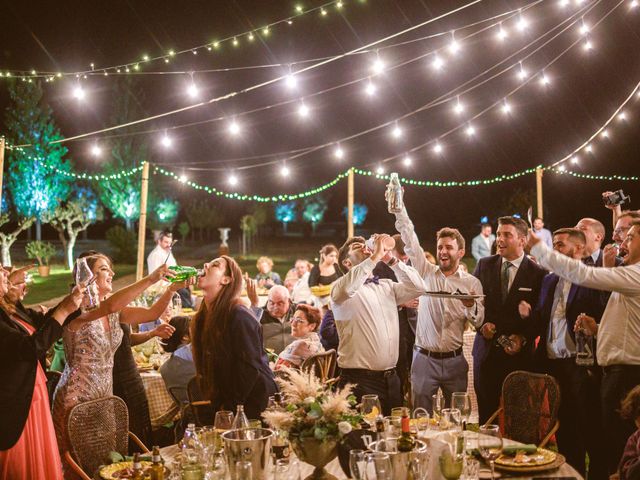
(227, 343)
(326, 271)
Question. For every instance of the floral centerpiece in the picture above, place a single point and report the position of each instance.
(316, 417)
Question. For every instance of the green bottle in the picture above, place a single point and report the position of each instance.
(184, 273)
(406, 443)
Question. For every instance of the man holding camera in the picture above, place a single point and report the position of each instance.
(621, 219)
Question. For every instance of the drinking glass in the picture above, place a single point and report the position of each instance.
(176, 304)
(490, 444)
(393, 426)
(370, 409)
(222, 423)
(437, 402)
(244, 470)
(471, 469)
(286, 469)
(378, 466)
(450, 419)
(422, 420)
(451, 464)
(400, 411)
(357, 464)
(462, 401)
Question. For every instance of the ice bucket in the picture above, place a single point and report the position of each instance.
(251, 445)
(400, 460)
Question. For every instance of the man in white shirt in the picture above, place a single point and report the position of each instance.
(481, 243)
(438, 361)
(365, 308)
(543, 233)
(301, 293)
(162, 254)
(618, 349)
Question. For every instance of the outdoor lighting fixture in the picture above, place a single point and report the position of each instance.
(234, 128)
(437, 63)
(396, 132)
(564, 3)
(562, 168)
(233, 180)
(303, 110)
(471, 131)
(96, 151)
(407, 161)
(437, 148)
(339, 153)
(506, 108)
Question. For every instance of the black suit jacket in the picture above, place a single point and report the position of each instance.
(504, 315)
(19, 356)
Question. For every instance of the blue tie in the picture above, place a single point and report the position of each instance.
(375, 279)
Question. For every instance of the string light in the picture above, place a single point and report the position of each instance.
(380, 170)
(291, 81)
(544, 79)
(396, 132)
(454, 45)
(437, 148)
(233, 180)
(284, 171)
(584, 28)
(459, 107)
(234, 128)
(622, 116)
(437, 63)
(192, 90)
(502, 33)
(370, 88)
(506, 107)
(589, 149)
(588, 45)
(303, 110)
(522, 23)
(166, 141)
(605, 133)
(378, 66)
(183, 178)
(634, 3)
(407, 161)
(522, 73)
(574, 160)
(78, 93)
(471, 131)
(338, 153)
(96, 151)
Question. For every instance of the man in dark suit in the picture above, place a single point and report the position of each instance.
(560, 304)
(507, 278)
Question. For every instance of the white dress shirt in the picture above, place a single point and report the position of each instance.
(559, 342)
(157, 257)
(441, 321)
(366, 315)
(301, 292)
(513, 269)
(619, 331)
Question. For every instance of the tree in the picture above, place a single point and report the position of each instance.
(166, 212)
(285, 213)
(249, 228)
(359, 213)
(202, 217)
(122, 196)
(71, 218)
(36, 177)
(518, 202)
(7, 239)
(313, 210)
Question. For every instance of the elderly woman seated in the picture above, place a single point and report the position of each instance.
(304, 323)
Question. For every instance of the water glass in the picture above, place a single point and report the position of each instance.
(357, 464)
(462, 401)
(450, 419)
(400, 411)
(490, 444)
(286, 469)
(451, 464)
(392, 426)
(422, 421)
(223, 422)
(176, 304)
(370, 409)
(378, 466)
(244, 470)
(471, 469)
(437, 403)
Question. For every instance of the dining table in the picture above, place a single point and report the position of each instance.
(564, 471)
(162, 408)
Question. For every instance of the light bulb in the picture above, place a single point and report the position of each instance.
(96, 151)
(339, 153)
(437, 148)
(291, 81)
(634, 3)
(251, 36)
(522, 73)
(183, 178)
(192, 90)
(284, 171)
(522, 24)
(299, 8)
(78, 93)
(454, 46)
(605, 133)
(166, 141)
(323, 12)
(380, 170)
(303, 110)
(370, 89)
(574, 160)
(437, 63)
(584, 28)
(378, 66)
(544, 79)
(502, 33)
(234, 128)
(471, 131)
(459, 107)
(562, 168)
(396, 132)
(588, 45)
(233, 180)
(589, 148)
(564, 3)
(506, 108)
(622, 116)
(407, 161)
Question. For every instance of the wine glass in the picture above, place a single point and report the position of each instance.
(176, 304)
(357, 464)
(490, 444)
(451, 464)
(378, 466)
(370, 409)
(222, 423)
(437, 405)
(462, 401)
(422, 420)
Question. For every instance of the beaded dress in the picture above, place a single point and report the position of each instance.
(88, 373)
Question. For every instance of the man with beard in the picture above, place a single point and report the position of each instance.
(438, 361)
(365, 308)
(504, 343)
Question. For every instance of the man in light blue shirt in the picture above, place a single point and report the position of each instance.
(543, 233)
(481, 244)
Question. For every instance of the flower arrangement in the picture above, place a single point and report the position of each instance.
(313, 409)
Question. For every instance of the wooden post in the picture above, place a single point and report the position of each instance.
(539, 173)
(142, 224)
(1, 168)
(350, 187)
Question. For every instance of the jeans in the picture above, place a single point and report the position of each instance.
(384, 384)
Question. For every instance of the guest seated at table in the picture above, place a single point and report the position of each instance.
(227, 343)
(266, 277)
(629, 468)
(298, 278)
(179, 368)
(276, 319)
(304, 324)
(28, 447)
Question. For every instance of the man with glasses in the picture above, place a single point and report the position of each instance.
(276, 318)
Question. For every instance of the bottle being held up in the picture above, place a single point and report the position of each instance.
(406, 443)
(393, 194)
(584, 348)
(137, 468)
(184, 273)
(157, 467)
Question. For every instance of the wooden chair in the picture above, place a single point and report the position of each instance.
(199, 405)
(95, 429)
(323, 365)
(529, 407)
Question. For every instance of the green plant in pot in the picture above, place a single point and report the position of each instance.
(315, 417)
(42, 252)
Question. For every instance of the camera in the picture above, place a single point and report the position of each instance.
(616, 198)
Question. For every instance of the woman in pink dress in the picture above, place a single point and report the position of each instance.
(28, 447)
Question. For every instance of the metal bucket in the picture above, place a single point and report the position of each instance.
(400, 460)
(248, 444)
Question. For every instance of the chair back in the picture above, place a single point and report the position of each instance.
(323, 365)
(530, 406)
(96, 428)
(199, 405)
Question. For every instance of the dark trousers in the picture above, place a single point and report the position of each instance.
(581, 428)
(617, 380)
(185, 297)
(384, 384)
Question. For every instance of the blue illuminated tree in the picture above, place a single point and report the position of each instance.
(313, 210)
(360, 211)
(36, 177)
(286, 213)
(165, 214)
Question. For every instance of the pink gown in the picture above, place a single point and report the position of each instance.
(35, 455)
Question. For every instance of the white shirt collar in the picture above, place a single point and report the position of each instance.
(516, 263)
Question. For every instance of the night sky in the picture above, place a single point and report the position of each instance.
(546, 123)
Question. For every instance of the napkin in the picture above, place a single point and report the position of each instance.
(513, 449)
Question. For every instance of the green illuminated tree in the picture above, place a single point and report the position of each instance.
(35, 185)
(313, 210)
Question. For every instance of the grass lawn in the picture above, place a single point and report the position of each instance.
(58, 282)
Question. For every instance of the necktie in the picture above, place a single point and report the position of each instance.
(504, 278)
(375, 279)
(588, 261)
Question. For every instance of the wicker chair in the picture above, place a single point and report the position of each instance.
(53, 378)
(529, 407)
(96, 428)
(199, 405)
(323, 365)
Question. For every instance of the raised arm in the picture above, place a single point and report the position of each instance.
(410, 284)
(347, 285)
(405, 227)
(136, 315)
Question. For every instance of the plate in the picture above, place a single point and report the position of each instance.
(124, 470)
(549, 461)
(457, 296)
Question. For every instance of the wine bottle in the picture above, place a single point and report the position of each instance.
(380, 428)
(137, 468)
(184, 273)
(157, 467)
(406, 443)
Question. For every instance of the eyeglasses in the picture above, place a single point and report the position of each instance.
(298, 320)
